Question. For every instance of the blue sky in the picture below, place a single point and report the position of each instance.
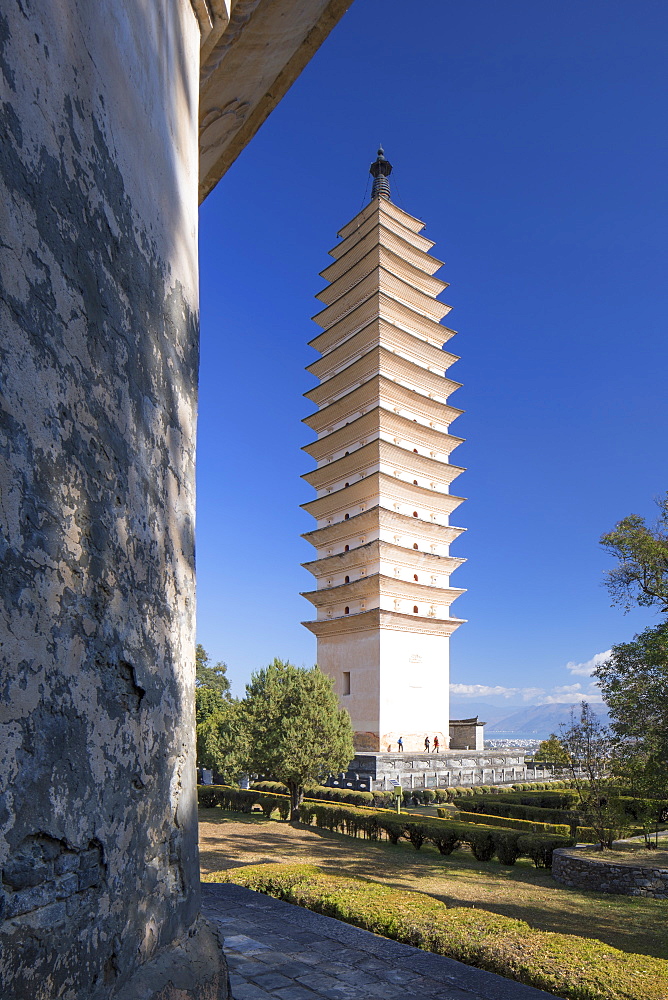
(531, 138)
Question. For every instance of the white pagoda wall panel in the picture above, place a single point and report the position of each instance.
(382, 564)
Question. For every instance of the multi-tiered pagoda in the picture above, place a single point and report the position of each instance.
(383, 478)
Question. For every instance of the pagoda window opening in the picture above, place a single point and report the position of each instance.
(346, 682)
(347, 453)
(415, 513)
(415, 609)
(348, 484)
(415, 451)
(347, 580)
(346, 610)
(415, 545)
(415, 577)
(346, 517)
(415, 482)
(347, 548)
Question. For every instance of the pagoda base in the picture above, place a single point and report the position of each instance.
(388, 742)
(375, 772)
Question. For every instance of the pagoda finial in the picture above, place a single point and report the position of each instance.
(380, 170)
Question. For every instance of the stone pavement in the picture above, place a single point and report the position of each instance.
(277, 951)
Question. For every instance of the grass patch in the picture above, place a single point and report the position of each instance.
(571, 967)
(630, 854)
(632, 924)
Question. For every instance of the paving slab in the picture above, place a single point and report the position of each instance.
(277, 951)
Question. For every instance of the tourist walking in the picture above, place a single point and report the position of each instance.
(426, 743)
(436, 744)
(400, 744)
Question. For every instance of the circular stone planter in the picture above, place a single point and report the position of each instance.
(571, 868)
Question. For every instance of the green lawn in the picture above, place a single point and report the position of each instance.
(630, 923)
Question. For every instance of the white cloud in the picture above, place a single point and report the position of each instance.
(497, 690)
(586, 669)
(564, 694)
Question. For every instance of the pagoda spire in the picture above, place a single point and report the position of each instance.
(380, 170)
(382, 565)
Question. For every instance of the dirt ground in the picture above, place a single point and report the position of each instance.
(633, 924)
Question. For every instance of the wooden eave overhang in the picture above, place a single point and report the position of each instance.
(377, 549)
(383, 391)
(413, 239)
(377, 486)
(384, 307)
(378, 281)
(381, 333)
(381, 235)
(376, 518)
(372, 620)
(251, 52)
(378, 421)
(384, 207)
(383, 586)
(388, 453)
(380, 257)
(380, 361)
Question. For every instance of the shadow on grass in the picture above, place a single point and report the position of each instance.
(526, 893)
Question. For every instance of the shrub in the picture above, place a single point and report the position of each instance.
(428, 796)
(393, 828)
(525, 826)
(571, 967)
(445, 838)
(207, 796)
(506, 845)
(540, 849)
(482, 845)
(444, 834)
(274, 787)
(417, 834)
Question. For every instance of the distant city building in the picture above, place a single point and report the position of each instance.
(383, 478)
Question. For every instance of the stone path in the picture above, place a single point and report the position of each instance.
(277, 951)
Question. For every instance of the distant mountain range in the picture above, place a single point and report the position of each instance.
(529, 721)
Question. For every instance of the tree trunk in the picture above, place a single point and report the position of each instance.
(296, 799)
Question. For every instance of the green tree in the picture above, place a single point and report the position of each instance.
(641, 576)
(634, 684)
(221, 745)
(294, 728)
(552, 752)
(589, 746)
(208, 675)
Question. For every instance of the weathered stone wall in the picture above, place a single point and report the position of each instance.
(603, 876)
(98, 366)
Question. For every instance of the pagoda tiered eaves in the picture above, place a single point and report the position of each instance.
(384, 467)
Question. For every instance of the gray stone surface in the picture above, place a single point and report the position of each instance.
(570, 868)
(98, 380)
(276, 950)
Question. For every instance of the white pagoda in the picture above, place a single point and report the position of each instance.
(383, 478)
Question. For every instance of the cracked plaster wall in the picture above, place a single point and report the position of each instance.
(98, 366)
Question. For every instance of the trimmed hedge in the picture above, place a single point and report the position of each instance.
(571, 967)
(242, 800)
(525, 825)
(541, 808)
(445, 834)
(353, 798)
(501, 806)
